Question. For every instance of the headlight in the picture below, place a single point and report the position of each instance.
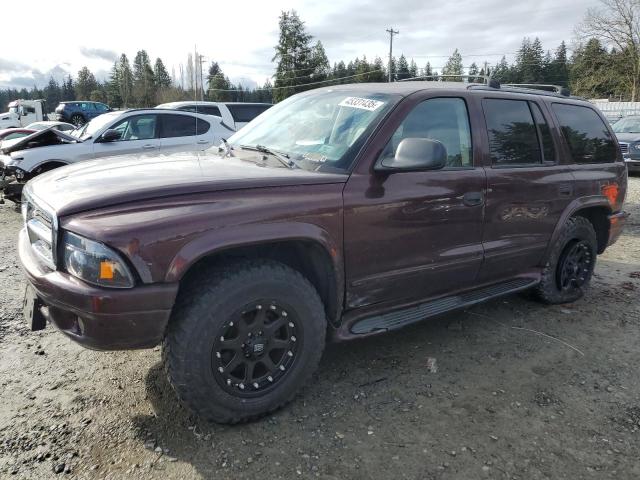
(94, 262)
(636, 146)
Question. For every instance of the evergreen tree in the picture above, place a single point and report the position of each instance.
(125, 81)
(68, 90)
(85, 84)
(320, 63)
(559, 69)
(453, 67)
(52, 94)
(413, 69)
(144, 87)
(428, 71)
(217, 83)
(402, 71)
(113, 87)
(591, 71)
(161, 75)
(378, 74)
(294, 55)
(473, 71)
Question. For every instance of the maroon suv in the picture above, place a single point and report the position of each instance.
(340, 212)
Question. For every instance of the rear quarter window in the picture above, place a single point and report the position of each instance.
(246, 113)
(586, 134)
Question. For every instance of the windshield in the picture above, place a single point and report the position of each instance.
(320, 130)
(94, 126)
(13, 110)
(627, 125)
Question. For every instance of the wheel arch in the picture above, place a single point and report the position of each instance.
(305, 248)
(596, 209)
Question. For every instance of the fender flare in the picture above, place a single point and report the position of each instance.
(216, 241)
(571, 209)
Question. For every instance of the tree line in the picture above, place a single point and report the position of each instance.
(604, 64)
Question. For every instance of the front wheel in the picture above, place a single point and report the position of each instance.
(568, 271)
(243, 339)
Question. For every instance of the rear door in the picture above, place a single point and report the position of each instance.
(182, 133)
(410, 235)
(138, 134)
(528, 186)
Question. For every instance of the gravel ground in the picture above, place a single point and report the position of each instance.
(508, 389)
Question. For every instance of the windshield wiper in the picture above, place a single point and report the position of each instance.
(285, 159)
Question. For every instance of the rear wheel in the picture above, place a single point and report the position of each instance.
(77, 120)
(243, 339)
(568, 272)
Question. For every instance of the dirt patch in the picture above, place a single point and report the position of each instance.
(476, 394)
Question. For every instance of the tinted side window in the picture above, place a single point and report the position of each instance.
(512, 134)
(203, 127)
(443, 119)
(140, 127)
(548, 151)
(210, 110)
(585, 132)
(101, 107)
(246, 113)
(178, 126)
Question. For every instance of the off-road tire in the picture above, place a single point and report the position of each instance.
(577, 229)
(205, 304)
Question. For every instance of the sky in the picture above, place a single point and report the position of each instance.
(241, 36)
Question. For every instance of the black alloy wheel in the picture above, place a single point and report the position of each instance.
(256, 349)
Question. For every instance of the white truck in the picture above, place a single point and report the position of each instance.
(21, 113)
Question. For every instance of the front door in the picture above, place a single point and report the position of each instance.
(528, 188)
(409, 234)
(138, 135)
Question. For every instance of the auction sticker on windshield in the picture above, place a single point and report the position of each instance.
(363, 103)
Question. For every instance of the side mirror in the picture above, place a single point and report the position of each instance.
(417, 154)
(110, 135)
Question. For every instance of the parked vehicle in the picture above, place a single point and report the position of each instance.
(79, 112)
(21, 113)
(131, 132)
(345, 211)
(235, 115)
(61, 126)
(12, 133)
(627, 130)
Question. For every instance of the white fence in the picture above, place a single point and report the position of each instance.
(615, 110)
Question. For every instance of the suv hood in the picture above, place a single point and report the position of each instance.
(41, 138)
(116, 180)
(628, 137)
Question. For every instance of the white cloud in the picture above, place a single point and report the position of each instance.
(241, 36)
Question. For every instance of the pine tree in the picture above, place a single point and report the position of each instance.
(559, 69)
(378, 74)
(474, 73)
(113, 87)
(161, 75)
(320, 62)
(125, 81)
(453, 67)
(144, 87)
(52, 94)
(592, 71)
(428, 71)
(217, 84)
(413, 69)
(294, 56)
(85, 84)
(403, 68)
(68, 90)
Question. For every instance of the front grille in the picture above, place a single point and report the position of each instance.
(40, 223)
(624, 147)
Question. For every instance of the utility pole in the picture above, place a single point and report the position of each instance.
(391, 33)
(201, 61)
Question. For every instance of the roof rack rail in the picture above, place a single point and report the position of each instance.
(490, 82)
(564, 91)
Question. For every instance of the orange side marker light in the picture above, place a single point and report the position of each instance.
(106, 270)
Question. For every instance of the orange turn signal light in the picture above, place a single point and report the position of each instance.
(611, 192)
(106, 270)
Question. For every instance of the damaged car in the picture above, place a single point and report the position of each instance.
(130, 132)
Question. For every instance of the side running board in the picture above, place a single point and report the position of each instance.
(407, 316)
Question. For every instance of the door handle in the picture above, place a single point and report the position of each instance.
(565, 190)
(203, 142)
(473, 199)
(148, 147)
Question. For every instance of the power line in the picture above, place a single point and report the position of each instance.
(299, 85)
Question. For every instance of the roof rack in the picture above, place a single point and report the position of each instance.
(564, 91)
(490, 82)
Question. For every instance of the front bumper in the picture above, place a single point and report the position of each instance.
(99, 318)
(633, 164)
(616, 225)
